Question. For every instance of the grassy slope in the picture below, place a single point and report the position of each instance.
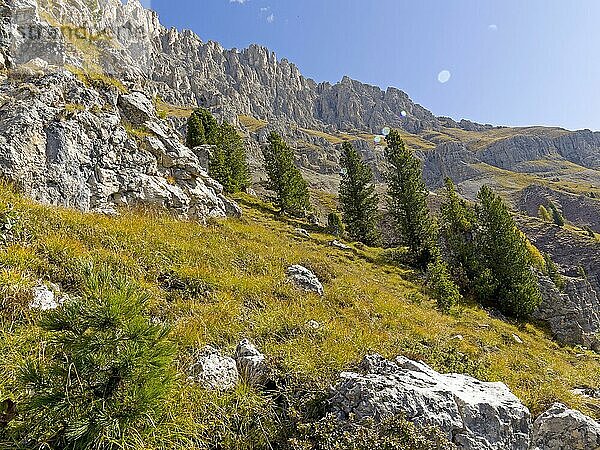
(369, 305)
(481, 139)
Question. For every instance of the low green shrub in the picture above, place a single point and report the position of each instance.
(103, 375)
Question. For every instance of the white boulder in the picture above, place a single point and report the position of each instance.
(214, 371)
(45, 297)
(304, 279)
(561, 428)
(474, 415)
(251, 363)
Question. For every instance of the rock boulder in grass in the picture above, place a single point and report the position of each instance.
(340, 245)
(213, 370)
(474, 415)
(301, 232)
(561, 428)
(251, 363)
(46, 297)
(304, 279)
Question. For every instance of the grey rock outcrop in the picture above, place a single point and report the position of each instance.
(251, 363)
(574, 314)
(339, 245)
(578, 209)
(561, 428)
(187, 70)
(452, 160)
(214, 371)
(136, 108)
(301, 232)
(474, 415)
(65, 143)
(304, 279)
(128, 41)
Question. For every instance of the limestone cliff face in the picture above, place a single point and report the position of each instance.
(573, 314)
(128, 42)
(98, 148)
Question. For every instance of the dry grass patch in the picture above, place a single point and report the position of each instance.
(231, 285)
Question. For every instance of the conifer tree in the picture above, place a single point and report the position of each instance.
(227, 162)
(335, 226)
(552, 271)
(439, 280)
(458, 224)
(195, 132)
(358, 199)
(557, 216)
(544, 214)
(210, 125)
(285, 179)
(202, 129)
(505, 276)
(407, 201)
(105, 373)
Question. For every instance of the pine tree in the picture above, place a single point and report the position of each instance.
(544, 214)
(285, 179)
(335, 226)
(439, 280)
(505, 276)
(202, 128)
(407, 201)
(552, 272)
(457, 226)
(105, 373)
(195, 132)
(210, 125)
(358, 199)
(227, 162)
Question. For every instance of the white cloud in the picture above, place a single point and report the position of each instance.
(264, 9)
(241, 2)
(493, 27)
(271, 18)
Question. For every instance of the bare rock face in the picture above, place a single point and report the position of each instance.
(97, 148)
(578, 209)
(137, 108)
(452, 160)
(130, 43)
(574, 314)
(561, 428)
(474, 415)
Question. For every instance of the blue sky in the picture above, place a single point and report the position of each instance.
(511, 62)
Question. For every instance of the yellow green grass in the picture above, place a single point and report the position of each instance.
(481, 139)
(165, 109)
(370, 305)
(251, 123)
(334, 139)
(412, 140)
(96, 78)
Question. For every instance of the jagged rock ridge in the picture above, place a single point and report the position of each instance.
(129, 42)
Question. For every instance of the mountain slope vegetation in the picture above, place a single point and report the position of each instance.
(225, 281)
